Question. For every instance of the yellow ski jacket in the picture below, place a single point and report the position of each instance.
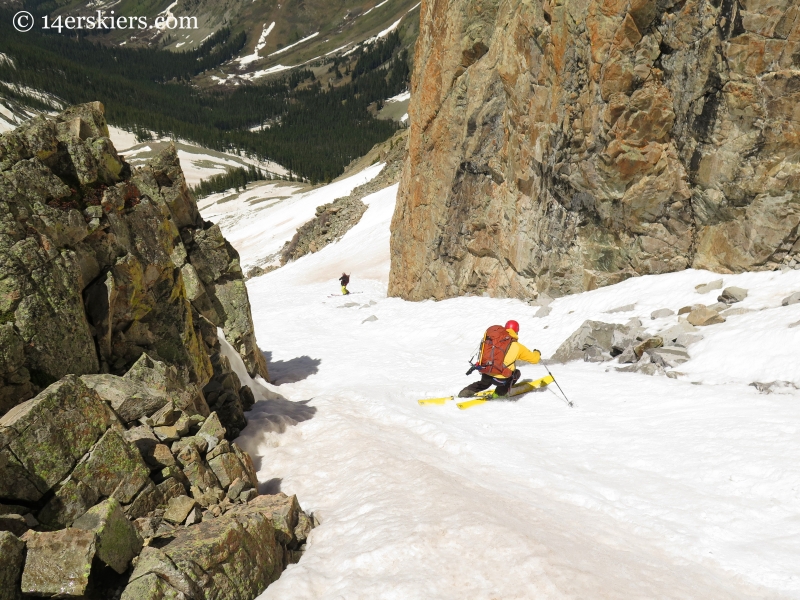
(517, 351)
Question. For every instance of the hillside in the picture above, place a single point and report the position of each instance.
(277, 35)
(313, 120)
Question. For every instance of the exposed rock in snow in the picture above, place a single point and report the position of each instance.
(620, 309)
(673, 332)
(703, 316)
(604, 336)
(704, 288)
(791, 299)
(775, 387)
(731, 295)
(648, 344)
(669, 356)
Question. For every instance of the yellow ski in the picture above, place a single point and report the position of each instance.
(471, 403)
(529, 386)
(435, 400)
(523, 387)
(517, 390)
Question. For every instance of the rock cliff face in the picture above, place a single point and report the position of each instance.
(99, 265)
(561, 145)
(121, 311)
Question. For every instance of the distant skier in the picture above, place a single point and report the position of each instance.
(344, 280)
(499, 352)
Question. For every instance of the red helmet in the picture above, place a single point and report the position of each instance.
(513, 326)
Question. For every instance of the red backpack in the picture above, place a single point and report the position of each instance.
(495, 345)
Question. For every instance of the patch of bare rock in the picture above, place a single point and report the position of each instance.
(656, 353)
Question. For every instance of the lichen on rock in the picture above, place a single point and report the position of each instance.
(115, 299)
(101, 264)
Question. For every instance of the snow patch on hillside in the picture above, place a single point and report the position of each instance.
(263, 72)
(122, 140)
(401, 97)
(267, 216)
(24, 90)
(10, 119)
(262, 41)
(384, 33)
(339, 49)
(297, 43)
(167, 17)
(197, 162)
(374, 7)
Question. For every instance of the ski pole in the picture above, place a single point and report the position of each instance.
(558, 386)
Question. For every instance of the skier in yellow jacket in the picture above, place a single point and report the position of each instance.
(344, 280)
(516, 351)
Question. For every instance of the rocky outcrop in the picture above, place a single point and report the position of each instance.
(100, 264)
(558, 146)
(116, 539)
(86, 489)
(42, 440)
(121, 311)
(329, 224)
(234, 557)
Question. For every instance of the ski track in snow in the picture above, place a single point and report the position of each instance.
(649, 488)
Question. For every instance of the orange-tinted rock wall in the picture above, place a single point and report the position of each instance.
(557, 146)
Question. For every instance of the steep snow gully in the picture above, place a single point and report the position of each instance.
(650, 487)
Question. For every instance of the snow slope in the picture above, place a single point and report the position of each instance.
(196, 161)
(649, 488)
(259, 221)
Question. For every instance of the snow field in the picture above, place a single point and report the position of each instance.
(196, 162)
(259, 230)
(649, 487)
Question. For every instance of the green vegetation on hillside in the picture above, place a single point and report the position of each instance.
(235, 177)
(316, 130)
